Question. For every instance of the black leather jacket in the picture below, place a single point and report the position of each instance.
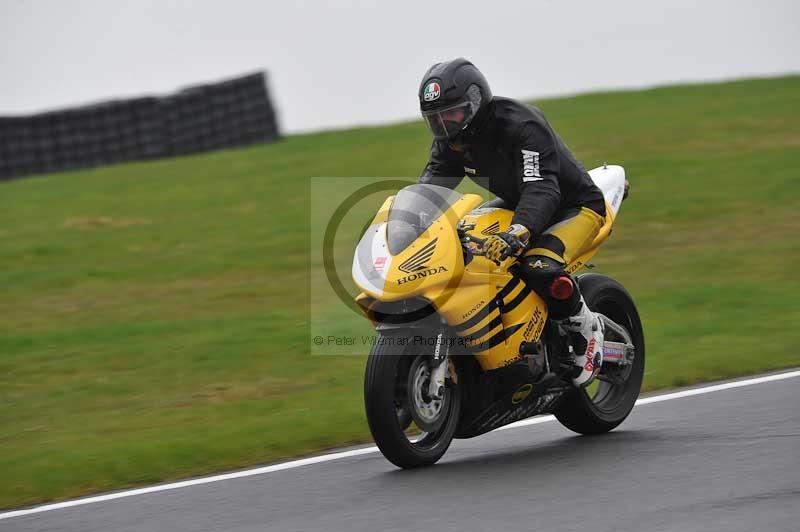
(519, 158)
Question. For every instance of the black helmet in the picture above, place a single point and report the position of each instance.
(454, 98)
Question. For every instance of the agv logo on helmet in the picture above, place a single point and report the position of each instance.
(432, 92)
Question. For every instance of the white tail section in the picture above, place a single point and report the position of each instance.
(610, 180)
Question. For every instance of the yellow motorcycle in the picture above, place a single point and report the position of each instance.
(463, 346)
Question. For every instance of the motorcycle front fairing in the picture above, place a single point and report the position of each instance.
(481, 301)
(411, 248)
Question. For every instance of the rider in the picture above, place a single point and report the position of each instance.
(510, 149)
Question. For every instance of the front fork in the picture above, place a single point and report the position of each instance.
(439, 365)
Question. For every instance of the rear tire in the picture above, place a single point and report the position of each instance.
(602, 411)
(387, 401)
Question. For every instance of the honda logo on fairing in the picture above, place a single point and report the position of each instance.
(492, 229)
(416, 262)
(420, 274)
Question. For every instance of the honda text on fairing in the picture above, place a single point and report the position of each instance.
(463, 345)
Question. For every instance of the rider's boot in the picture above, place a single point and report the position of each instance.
(585, 329)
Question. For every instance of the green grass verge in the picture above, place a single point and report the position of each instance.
(154, 316)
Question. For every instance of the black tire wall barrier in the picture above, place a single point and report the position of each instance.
(234, 112)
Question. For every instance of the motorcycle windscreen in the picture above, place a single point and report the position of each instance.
(413, 211)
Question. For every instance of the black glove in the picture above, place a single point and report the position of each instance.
(510, 242)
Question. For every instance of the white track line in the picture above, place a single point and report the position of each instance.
(367, 450)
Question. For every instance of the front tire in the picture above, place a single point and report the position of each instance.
(603, 406)
(391, 369)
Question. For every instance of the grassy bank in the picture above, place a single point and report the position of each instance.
(154, 317)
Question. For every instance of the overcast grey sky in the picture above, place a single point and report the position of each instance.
(333, 64)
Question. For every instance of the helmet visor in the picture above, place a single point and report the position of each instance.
(449, 122)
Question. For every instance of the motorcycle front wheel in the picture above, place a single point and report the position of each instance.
(409, 427)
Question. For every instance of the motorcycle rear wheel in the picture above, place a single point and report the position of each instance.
(602, 407)
(393, 367)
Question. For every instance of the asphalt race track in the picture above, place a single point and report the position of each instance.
(728, 460)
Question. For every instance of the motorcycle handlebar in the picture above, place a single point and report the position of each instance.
(465, 239)
(477, 240)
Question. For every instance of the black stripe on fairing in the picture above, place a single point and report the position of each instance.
(497, 338)
(486, 328)
(514, 303)
(511, 285)
(490, 306)
(478, 317)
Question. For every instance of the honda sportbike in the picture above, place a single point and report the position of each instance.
(462, 345)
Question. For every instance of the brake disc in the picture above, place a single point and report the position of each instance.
(429, 413)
